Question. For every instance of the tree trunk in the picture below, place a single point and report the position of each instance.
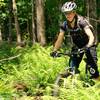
(0, 29)
(0, 34)
(87, 9)
(91, 13)
(16, 23)
(33, 22)
(98, 17)
(40, 22)
(10, 21)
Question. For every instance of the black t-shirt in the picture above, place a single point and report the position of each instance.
(77, 33)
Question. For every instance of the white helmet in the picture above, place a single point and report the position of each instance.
(68, 6)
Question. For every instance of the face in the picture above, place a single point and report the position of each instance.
(70, 16)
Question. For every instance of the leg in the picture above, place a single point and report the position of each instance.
(75, 61)
(92, 62)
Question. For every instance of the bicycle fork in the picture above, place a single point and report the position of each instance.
(88, 81)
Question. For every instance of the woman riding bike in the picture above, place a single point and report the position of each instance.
(83, 36)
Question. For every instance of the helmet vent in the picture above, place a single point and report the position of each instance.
(69, 6)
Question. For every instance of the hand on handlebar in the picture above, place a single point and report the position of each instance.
(54, 54)
(78, 51)
(84, 49)
(87, 48)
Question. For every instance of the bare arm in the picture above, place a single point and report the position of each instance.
(90, 35)
(59, 41)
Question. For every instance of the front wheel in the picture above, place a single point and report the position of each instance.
(61, 82)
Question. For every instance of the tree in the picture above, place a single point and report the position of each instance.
(0, 34)
(91, 13)
(16, 23)
(1, 18)
(10, 20)
(0, 31)
(40, 22)
(33, 22)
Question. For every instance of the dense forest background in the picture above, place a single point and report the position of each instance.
(33, 21)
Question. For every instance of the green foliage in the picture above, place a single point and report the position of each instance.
(2, 3)
(53, 16)
(36, 71)
(31, 68)
(3, 13)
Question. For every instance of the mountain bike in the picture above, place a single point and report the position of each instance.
(67, 78)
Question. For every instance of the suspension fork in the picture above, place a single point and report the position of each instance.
(87, 79)
(86, 68)
(71, 66)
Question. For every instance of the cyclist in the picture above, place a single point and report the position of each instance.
(81, 32)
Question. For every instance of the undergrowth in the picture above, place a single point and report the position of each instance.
(33, 73)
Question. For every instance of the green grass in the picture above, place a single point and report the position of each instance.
(36, 71)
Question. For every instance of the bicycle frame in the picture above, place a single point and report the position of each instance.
(71, 67)
(68, 71)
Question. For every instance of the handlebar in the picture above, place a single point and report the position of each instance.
(70, 54)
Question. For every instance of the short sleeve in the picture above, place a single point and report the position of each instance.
(63, 26)
(84, 22)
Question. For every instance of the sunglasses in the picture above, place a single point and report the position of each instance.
(69, 12)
